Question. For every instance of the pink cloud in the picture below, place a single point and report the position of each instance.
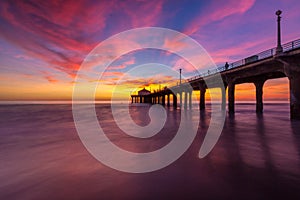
(184, 65)
(150, 11)
(57, 32)
(125, 64)
(117, 67)
(22, 56)
(62, 33)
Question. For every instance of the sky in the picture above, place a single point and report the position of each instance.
(43, 44)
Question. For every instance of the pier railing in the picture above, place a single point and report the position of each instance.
(251, 59)
(254, 58)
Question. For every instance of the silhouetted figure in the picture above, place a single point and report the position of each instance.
(226, 65)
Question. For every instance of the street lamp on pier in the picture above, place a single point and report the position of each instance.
(180, 76)
(279, 47)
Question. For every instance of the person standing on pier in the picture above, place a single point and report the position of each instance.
(226, 65)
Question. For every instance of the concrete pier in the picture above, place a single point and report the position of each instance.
(259, 95)
(190, 99)
(185, 99)
(231, 88)
(174, 100)
(202, 98)
(295, 96)
(256, 69)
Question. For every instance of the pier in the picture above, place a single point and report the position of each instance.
(281, 61)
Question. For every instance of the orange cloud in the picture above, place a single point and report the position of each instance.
(51, 79)
(106, 74)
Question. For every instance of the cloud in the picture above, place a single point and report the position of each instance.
(62, 33)
(51, 79)
(106, 74)
(124, 64)
(216, 11)
(230, 54)
(143, 14)
(162, 80)
(23, 57)
(126, 80)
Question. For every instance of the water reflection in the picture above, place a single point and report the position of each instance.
(256, 157)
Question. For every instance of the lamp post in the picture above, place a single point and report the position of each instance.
(180, 76)
(279, 47)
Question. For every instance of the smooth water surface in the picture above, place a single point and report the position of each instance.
(41, 157)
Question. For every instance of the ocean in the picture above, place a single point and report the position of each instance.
(42, 157)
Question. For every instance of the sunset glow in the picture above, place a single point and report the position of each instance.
(42, 44)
